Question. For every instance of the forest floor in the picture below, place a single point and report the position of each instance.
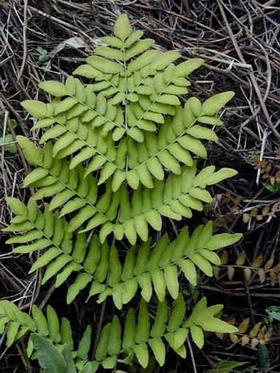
(239, 41)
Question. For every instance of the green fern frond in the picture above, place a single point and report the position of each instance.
(99, 265)
(116, 157)
(174, 198)
(139, 338)
(19, 323)
(158, 269)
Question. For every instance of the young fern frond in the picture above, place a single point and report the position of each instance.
(140, 337)
(77, 193)
(118, 156)
(99, 265)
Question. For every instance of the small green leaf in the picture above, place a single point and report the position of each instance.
(185, 68)
(142, 354)
(84, 344)
(213, 324)
(158, 348)
(54, 88)
(32, 154)
(50, 359)
(87, 71)
(222, 240)
(35, 108)
(122, 28)
(197, 336)
(214, 104)
(17, 207)
(220, 175)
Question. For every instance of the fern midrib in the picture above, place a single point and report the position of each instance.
(149, 109)
(94, 149)
(163, 204)
(93, 110)
(53, 243)
(166, 147)
(150, 272)
(75, 192)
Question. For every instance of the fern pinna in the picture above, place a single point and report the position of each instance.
(118, 157)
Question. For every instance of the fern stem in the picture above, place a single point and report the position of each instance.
(192, 355)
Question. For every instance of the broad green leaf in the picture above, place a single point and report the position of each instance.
(143, 323)
(66, 333)
(189, 271)
(142, 354)
(13, 329)
(177, 316)
(154, 219)
(53, 325)
(102, 346)
(129, 331)
(29, 248)
(197, 336)
(143, 60)
(165, 60)
(114, 344)
(138, 48)
(35, 175)
(52, 133)
(145, 283)
(195, 106)
(84, 344)
(202, 264)
(214, 104)
(55, 267)
(17, 207)
(110, 53)
(185, 68)
(103, 65)
(40, 321)
(201, 194)
(201, 132)
(136, 134)
(158, 348)
(159, 284)
(222, 240)
(32, 153)
(171, 279)
(168, 99)
(54, 88)
(122, 28)
(136, 35)
(159, 325)
(35, 108)
(213, 324)
(65, 105)
(220, 175)
(45, 259)
(210, 120)
(68, 357)
(82, 280)
(112, 41)
(87, 71)
(50, 359)
(110, 362)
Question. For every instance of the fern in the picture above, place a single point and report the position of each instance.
(139, 336)
(117, 157)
